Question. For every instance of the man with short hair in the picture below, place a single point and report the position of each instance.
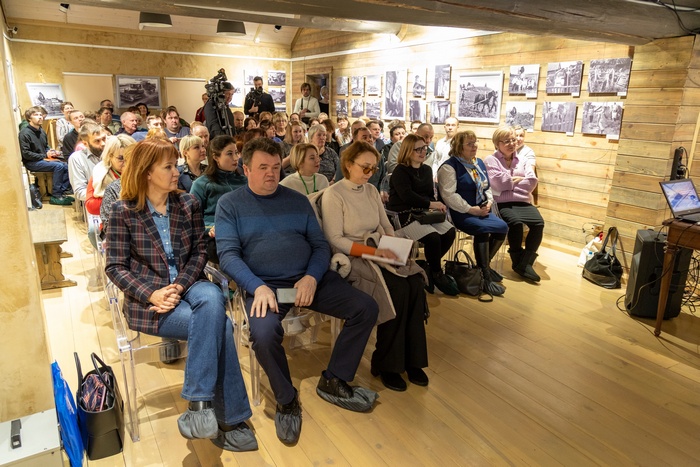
(362, 133)
(81, 163)
(414, 126)
(396, 133)
(353, 131)
(376, 130)
(217, 123)
(173, 129)
(108, 103)
(76, 118)
(257, 100)
(238, 121)
(442, 147)
(130, 126)
(270, 242)
(203, 133)
(307, 105)
(38, 157)
(154, 121)
(425, 132)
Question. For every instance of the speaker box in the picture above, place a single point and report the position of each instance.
(644, 282)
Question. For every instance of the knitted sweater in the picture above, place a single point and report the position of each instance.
(209, 192)
(501, 178)
(305, 187)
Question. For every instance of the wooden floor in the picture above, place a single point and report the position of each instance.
(551, 374)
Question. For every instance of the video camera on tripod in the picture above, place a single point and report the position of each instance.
(216, 91)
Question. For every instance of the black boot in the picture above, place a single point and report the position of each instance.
(494, 246)
(515, 257)
(481, 253)
(524, 266)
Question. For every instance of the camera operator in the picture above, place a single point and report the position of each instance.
(258, 100)
(216, 123)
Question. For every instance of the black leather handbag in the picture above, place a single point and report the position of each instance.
(428, 216)
(604, 269)
(466, 274)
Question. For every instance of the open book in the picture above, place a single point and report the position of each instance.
(400, 246)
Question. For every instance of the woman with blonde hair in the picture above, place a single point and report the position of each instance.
(295, 134)
(306, 179)
(194, 153)
(106, 171)
(171, 299)
(329, 158)
(344, 133)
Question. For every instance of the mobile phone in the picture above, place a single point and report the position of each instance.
(484, 204)
(286, 295)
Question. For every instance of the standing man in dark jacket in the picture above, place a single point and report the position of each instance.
(258, 100)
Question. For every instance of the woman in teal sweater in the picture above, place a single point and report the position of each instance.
(219, 178)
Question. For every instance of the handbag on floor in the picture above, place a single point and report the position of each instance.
(604, 269)
(466, 274)
(100, 410)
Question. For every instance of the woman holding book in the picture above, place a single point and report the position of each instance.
(353, 219)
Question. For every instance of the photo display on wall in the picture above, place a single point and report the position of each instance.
(602, 118)
(341, 85)
(609, 76)
(374, 85)
(341, 107)
(418, 79)
(394, 92)
(357, 108)
(373, 108)
(276, 78)
(559, 117)
(479, 97)
(279, 95)
(564, 78)
(521, 113)
(441, 87)
(439, 111)
(48, 95)
(248, 76)
(417, 110)
(238, 95)
(134, 89)
(524, 80)
(357, 85)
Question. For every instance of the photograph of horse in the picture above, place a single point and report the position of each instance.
(521, 113)
(479, 97)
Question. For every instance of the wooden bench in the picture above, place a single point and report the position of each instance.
(48, 228)
(44, 181)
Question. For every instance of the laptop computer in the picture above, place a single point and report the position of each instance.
(682, 198)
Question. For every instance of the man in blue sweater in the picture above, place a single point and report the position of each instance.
(268, 239)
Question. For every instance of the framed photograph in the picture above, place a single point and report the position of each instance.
(416, 110)
(609, 76)
(248, 76)
(341, 107)
(479, 97)
(524, 80)
(602, 118)
(341, 85)
(521, 113)
(134, 89)
(439, 111)
(279, 95)
(357, 108)
(48, 95)
(394, 93)
(238, 95)
(276, 78)
(564, 78)
(374, 85)
(441, 87)
(372, 108)
(357, 84)
(419, 79)
(559, 117)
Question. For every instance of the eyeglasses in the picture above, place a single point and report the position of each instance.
(421, 149)
(473, 144)
(119, 158)
(367, 169)
(508, 141)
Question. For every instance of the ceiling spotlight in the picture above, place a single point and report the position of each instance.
(278, 28)
(257, 40)
(63, 7)
(230, 28)
(154, 20)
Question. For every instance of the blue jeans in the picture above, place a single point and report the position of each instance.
(61, 182)
(212, 372)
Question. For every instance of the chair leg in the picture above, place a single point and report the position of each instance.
(129, 372)
(254, 377)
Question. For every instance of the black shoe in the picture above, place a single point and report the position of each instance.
(445, 284)
(417, 376)
(430, 286)
(335, 387)
(288, 421)
(495, 276)
(524, 266)
(392, 381)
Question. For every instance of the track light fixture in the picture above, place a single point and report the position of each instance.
(154, 20)
(278, 28)
(230, 28)
(63, 7)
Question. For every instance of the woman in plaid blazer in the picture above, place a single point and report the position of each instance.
(156, 255)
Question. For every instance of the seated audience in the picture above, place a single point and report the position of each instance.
(525, 151)
(130, 126)
(305, 161)
(173, 127)
(295, 135)
(512, 181)
(249, 123)
(81, 163)
(329, 158)
(411, 189)
(331, 142)
(193, 153)
(343, 134)
(104, 116)
(464, 187)
(154, 121)
(143, 110)
(352, 209)
(171, 299)
(264, 116)
(63, 124)
(268, 128)
(76, 118)
(106, 171)
(279, 122)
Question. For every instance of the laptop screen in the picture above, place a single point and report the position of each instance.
(681, 196)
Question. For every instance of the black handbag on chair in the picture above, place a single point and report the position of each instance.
(604, 269)
(427, 216)
(100, 410)
(466, 274)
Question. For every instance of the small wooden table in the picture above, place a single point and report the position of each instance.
(680, 235)
(48, 228)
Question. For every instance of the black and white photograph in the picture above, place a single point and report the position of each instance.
(559, 116)
(602, 118)
(280, 107)
(134, 89)
(48, 95)
(439, 111)
(416, 110)
(279, 95)
(479, 97)
(372, 108)
(238, 95)
(610, 76)
(357, 85)
(419, 78)
(374, 85)
(357, 108)
(394, 95)
(564, 78)
(520, 113)
(341, 85)
(249, 75)
(276, 78)
(442, 81)
(523, 80)
(341, 107)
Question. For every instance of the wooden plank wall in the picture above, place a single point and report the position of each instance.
(576, 173)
